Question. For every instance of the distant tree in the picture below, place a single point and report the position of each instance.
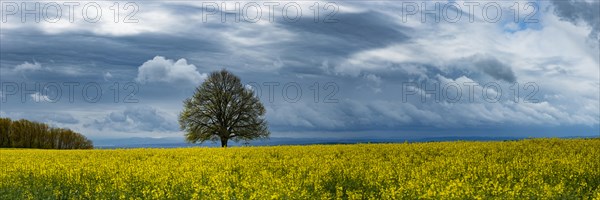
(27, 134)
(223, 109)
(5, 124)
(17, 134)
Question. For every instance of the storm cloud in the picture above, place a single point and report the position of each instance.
(576, 12)
(352, 71)
(496, 69)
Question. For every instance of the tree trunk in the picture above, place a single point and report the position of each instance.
(223, 142)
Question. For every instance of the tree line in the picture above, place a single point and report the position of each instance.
(27, 134)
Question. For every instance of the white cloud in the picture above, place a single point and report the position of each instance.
(133, 19)
(373, 78)
(555, 54)
(444, 45)
(38, 97)
(372, 81)
(27, 66)
(135, 119)
(160, 69)
(512, 26)
(107, 76)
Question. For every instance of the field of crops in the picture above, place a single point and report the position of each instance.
(537, 168)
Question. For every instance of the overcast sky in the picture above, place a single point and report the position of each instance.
(359, 69)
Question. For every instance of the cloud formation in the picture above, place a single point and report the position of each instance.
(369, 53)
(160, 69)
(496, 69)
(27, 66)
(38, 97)
(132, 119)
(580, 11)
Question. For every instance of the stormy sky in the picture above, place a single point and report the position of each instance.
(340, 69)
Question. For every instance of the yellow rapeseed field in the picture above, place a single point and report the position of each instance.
(535, 168)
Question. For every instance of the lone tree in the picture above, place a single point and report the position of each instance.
(223, 109)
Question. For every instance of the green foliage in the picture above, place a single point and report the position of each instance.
(223, 109)
(27, 134)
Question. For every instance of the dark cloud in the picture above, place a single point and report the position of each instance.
(96, 54)
(365, 30)
(577, 11)
(495, 68)
(352, 33)
(303, 52)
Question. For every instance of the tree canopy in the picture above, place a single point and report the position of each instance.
(223, 109)
(27, 134)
